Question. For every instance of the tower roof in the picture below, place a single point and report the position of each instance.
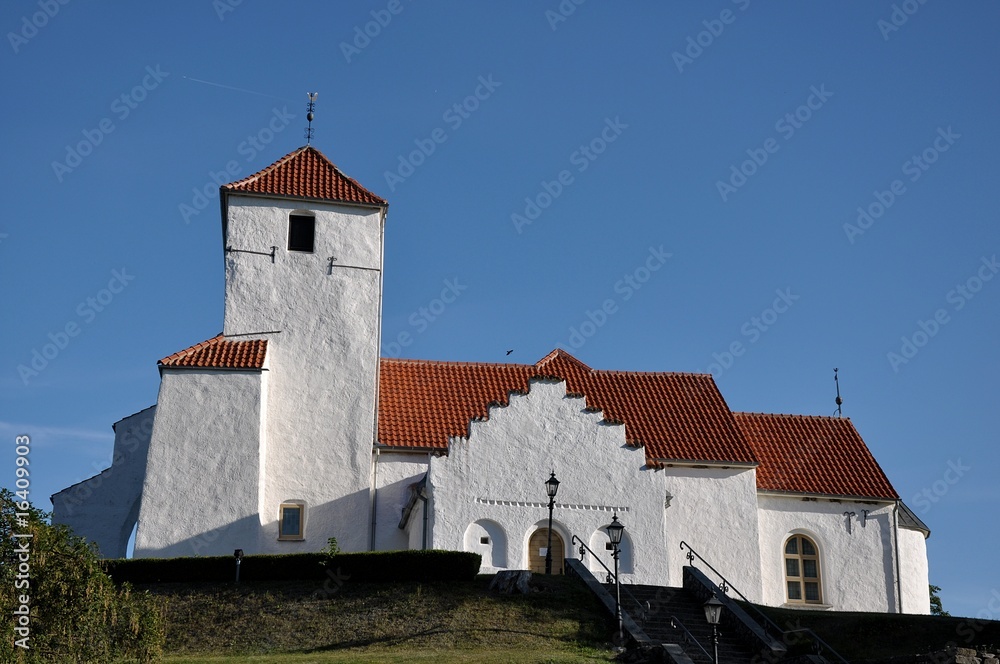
(305, 173)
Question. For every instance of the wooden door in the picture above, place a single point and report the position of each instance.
(536, 551)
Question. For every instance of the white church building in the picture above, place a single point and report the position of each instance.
(288, 429)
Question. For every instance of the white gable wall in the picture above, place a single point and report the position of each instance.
(104, 508)
(857, 567)
(494, 482)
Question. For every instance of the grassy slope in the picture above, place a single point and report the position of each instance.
(428, 622)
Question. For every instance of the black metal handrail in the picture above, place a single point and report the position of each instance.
(688, 636)
(611, 575)
(768, 624)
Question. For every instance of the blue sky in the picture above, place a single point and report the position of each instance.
(659, 188)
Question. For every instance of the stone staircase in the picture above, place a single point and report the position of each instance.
(664, 606)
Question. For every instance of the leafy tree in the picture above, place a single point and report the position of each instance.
(75, 612)
(936, 608)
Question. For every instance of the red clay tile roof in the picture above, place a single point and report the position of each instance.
(807, 454)
(218, 353)
(305, 173)
(673, 416)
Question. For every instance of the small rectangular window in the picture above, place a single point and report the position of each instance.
(290, 522)
(484, 540)
(301, 232)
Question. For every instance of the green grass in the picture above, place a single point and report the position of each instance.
(411, 622)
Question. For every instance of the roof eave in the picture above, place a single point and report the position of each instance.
(826, 496)
(701, 463)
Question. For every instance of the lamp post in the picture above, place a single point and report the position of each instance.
(713, 612)
(551, 486)
(615, 530)
(238, 554)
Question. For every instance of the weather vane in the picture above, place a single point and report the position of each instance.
(840, 401)
(310, 107)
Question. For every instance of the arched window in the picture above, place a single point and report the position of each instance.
(802, 577)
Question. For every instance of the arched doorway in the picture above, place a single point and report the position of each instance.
(537, 543)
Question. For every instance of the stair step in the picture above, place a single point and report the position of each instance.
(660, 604)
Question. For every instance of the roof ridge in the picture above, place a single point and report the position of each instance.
(454, 363)
(561, 354)
(799, 415)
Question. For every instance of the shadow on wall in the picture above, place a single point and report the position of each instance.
(488, 539)
(344, 518)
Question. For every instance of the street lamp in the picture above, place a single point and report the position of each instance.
(615, 530)
(551, 486)
(238, 555)
(713, 612)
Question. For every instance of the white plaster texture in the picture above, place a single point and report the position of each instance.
(104, 508)
(394, 474)
(857, 565)
(914, 573)
(323, 317)
(714, 510)
(200, 495)
(492, 483)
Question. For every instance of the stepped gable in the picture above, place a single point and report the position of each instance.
(675, 417)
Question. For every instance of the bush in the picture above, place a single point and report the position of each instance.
(75, 612)
(372, 566)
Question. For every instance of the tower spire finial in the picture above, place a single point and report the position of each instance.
(310, 107)
(840, 401)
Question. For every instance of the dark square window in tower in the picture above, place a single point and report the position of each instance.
(301, 232)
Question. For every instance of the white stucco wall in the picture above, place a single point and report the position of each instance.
(104, 508)
(323, 345)
(857, 566)
(914, 572)
(493, 483)
(200, 495)
(394, 473)
(714, 510)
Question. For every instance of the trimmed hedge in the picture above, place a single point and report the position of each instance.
(370, 566)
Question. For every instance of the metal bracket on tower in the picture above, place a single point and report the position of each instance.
(272, 253)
